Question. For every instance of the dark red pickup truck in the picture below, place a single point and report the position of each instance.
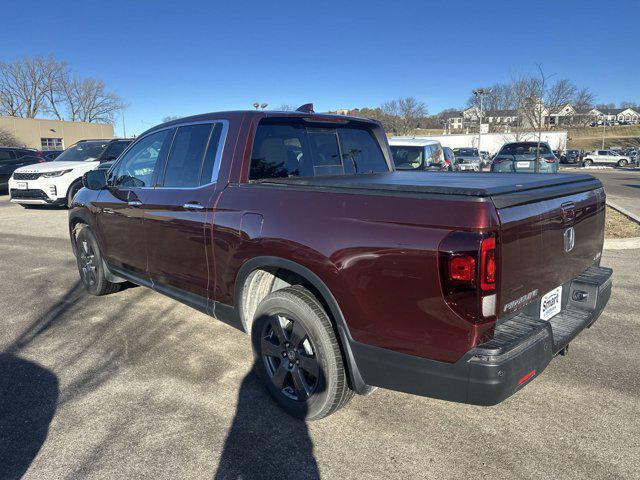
(295, 227)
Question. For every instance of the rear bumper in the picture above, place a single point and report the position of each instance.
(521, 349)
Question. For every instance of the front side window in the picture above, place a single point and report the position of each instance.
(293, 148)
(407, 158)
(138, 164)
(185, 160)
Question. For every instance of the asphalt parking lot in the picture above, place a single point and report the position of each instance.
(135, 385)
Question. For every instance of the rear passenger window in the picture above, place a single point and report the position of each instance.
(186, 157)
(294, 148)
(5, 155)
(211, 162)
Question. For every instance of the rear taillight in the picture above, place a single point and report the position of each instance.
(462, 268)
(488, 264)
(550, 159)
(499, 160)
(468, 272)
(446, 164)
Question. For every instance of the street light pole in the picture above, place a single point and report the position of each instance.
(480, 93)
(604, 129)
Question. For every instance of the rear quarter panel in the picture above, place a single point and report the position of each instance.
(377, 254)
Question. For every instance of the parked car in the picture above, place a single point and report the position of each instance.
(450, 161)
(296, 228)
(606, 157)
(468, 159)
(571, 156)
(56, 182)
(417, 154)
(520, 157)
(12, 158)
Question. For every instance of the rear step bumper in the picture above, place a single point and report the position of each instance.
(521, 349)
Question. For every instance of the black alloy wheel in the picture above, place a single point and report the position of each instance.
(289, 357)
(87, 263)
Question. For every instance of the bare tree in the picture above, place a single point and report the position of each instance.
(628, 104)
(169, 118)
(24, 84)
(285, 107)
(84, 100)
(403, 115)
(8, 139)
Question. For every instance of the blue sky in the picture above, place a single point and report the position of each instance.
(186, 57)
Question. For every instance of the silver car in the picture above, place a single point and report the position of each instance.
(607, 157)
(468, 159)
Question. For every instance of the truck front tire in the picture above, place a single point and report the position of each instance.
(297, 354)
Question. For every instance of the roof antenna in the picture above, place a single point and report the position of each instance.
(306, 108)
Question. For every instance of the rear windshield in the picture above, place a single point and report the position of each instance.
(415, 158)
(294, 148)
(524, 149)
(82, 152)
(467, 152)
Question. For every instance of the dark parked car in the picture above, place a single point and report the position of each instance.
(571, 156)
(450, 161)
(296, 228)
(520, 157)
(12, 158)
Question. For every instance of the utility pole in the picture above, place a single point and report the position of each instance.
(480, 92)
(124, 128)
(604, 129)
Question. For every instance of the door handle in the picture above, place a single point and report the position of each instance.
(134, 203)
(192, 206)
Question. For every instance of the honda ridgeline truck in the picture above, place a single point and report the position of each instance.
(295, 228)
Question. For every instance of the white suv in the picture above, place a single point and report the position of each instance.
(56, 182)
(606, 156)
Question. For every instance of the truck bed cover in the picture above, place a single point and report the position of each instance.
(504, 189)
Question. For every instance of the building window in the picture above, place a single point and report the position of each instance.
(51, 144)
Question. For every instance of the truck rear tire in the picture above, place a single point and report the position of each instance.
(297, 354)
(90, 264)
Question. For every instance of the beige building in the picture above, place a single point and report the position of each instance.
(53, 134)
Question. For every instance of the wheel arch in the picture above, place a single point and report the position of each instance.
(280, 272)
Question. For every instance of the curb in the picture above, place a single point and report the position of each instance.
(621, 243)
(624, 211)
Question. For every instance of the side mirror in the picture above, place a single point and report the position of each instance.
(95, 179)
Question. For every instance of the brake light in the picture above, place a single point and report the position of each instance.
(499, 160)
(550, 159)
(488, 264)
(462, 268)
(468, 273)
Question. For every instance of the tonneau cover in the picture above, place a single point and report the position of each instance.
(505, 189)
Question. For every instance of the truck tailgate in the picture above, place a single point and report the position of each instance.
(546, 243)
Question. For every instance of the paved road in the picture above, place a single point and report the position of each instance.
(135, 385)
(622, 186)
